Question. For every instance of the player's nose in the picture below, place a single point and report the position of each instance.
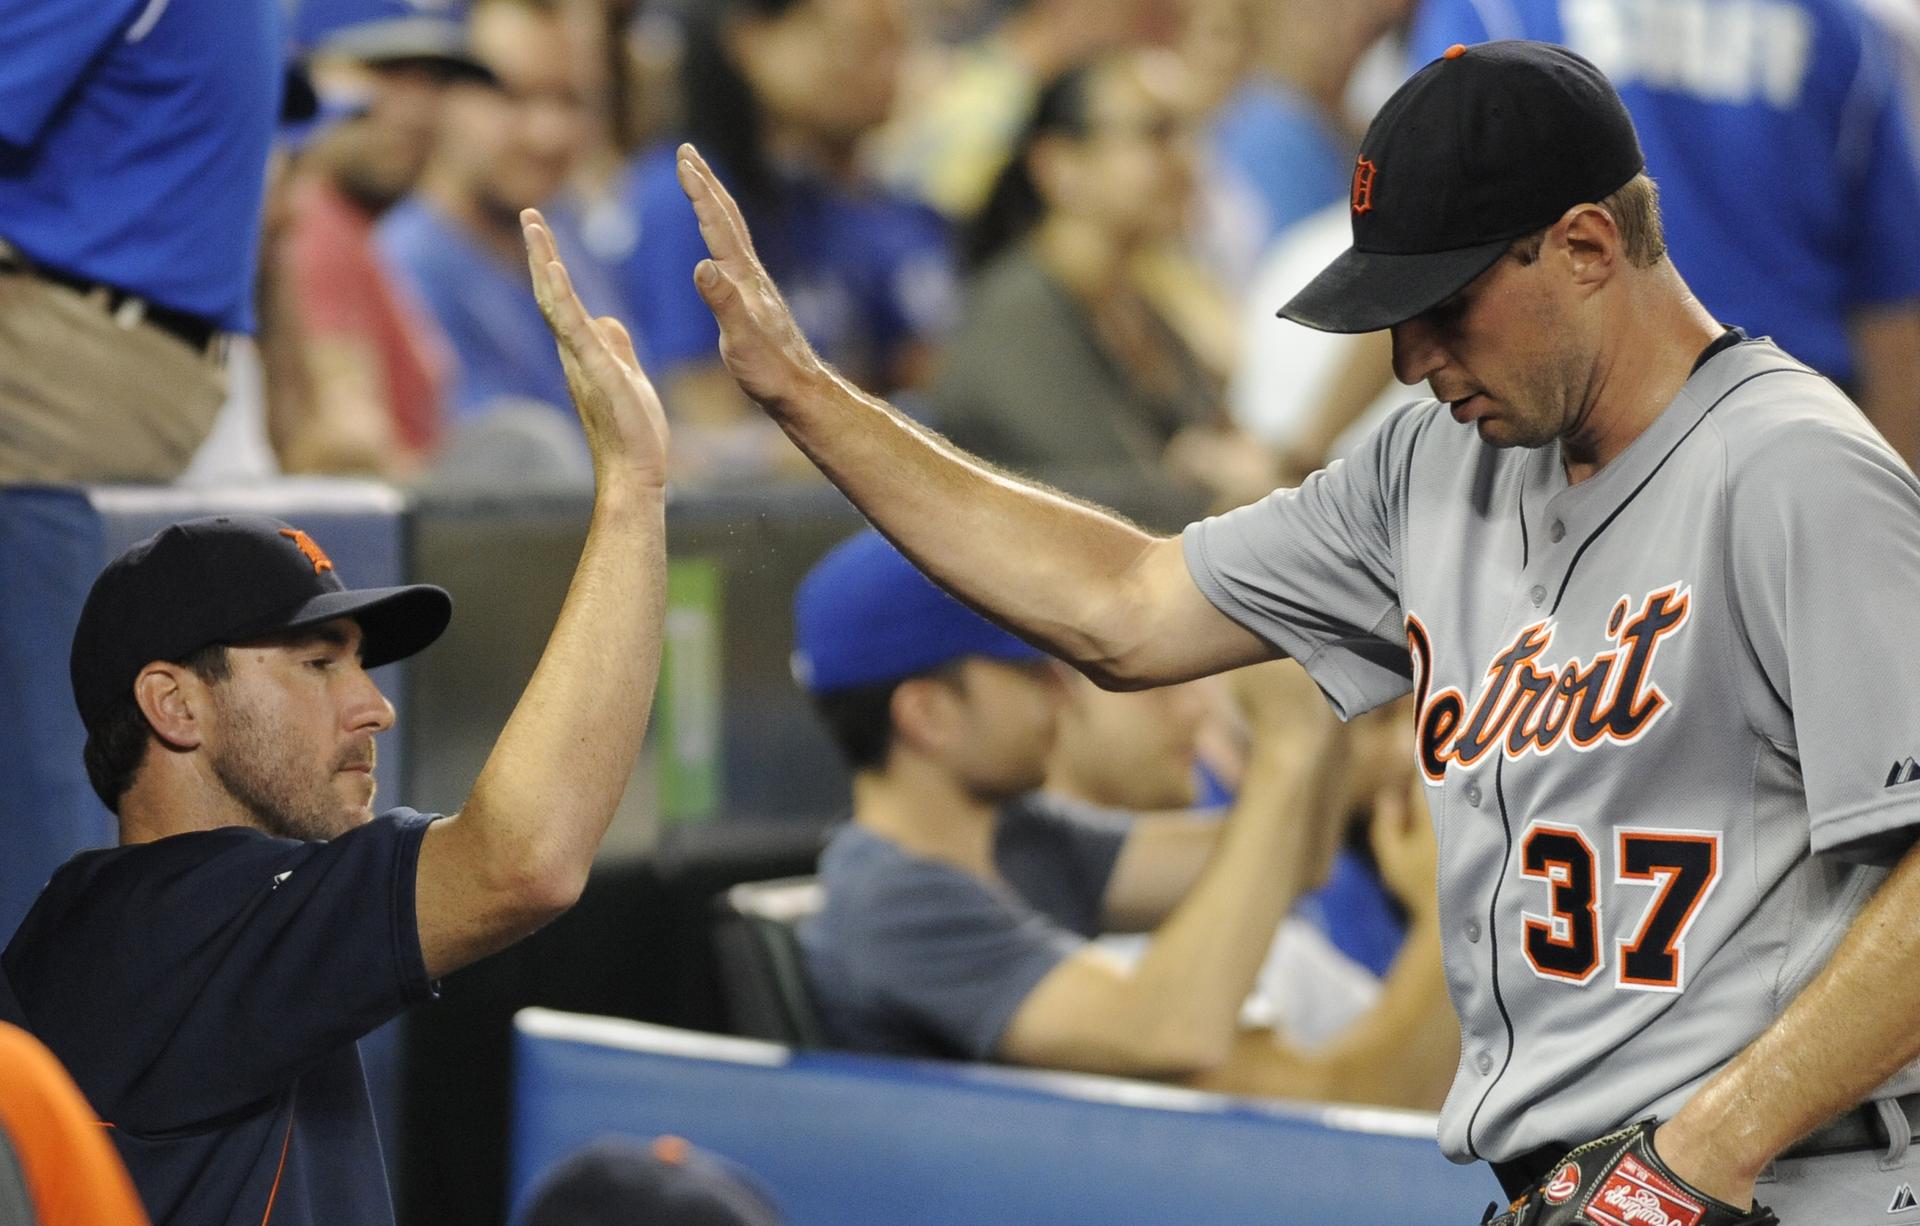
(1417, 352)
(369, 708)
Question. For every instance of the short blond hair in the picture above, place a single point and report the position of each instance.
(1635, 210)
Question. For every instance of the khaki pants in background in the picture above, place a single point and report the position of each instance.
(84, 399)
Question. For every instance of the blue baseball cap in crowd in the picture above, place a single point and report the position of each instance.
(865, 616)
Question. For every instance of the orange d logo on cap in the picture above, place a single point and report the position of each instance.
(1363, 175)
(309, 547)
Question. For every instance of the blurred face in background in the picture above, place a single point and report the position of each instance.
(1131, 172)
(827, 70)
(991, 724)
(1130, 750)
(514, 146)
(376, 157)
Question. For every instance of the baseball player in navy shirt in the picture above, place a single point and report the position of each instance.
(206, 980)
(1651, 584)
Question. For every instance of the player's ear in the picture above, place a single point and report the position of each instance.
(1592, 241)
(922, 710)
(174, 701)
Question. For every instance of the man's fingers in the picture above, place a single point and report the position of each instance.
(716, 289)
(540, 249)
(565, 314)
(721, 225)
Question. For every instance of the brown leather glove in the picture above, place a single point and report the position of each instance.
(1617, 1180)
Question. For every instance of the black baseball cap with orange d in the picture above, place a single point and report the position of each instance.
(1485, 145)
(230, 579)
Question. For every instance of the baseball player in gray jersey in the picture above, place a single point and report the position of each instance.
(1649, 582)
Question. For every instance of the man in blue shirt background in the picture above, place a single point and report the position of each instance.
(133, 157)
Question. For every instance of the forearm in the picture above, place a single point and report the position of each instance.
(555, 776)
(1201, 963)
(1404, 1050)
(1053, 569)
(1845, 1034)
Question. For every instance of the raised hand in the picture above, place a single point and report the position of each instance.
(619, 410)
(760, 343)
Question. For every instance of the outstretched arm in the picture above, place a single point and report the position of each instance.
(1081, 582)
(517, 853)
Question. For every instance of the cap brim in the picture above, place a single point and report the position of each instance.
(395, 622)
(423, 40)
(1366, 291)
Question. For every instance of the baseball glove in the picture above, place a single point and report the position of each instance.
(1617, 1180)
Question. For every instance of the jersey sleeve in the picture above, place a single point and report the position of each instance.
(46, 46)
(1314, 571)
(1050, 848)
(238, 967)
(956, 956)
(1824, 565)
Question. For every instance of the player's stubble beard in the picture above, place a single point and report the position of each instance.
(1549, 401)
(261, 765)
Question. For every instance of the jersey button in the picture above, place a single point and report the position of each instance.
(1484, 1062)
(1557, 532)
(1537, 595)
(1473, 931)
(1472, 793)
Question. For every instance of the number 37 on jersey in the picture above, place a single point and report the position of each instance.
(1663, 876)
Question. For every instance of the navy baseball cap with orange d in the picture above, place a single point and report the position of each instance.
(864, 616)
(230, 579)
(1484, 145)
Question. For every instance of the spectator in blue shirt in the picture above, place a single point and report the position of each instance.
(455, 242)
(133, 158)
(207, 980)
(779, 93)
(1777, 134)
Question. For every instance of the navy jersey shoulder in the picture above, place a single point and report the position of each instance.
(206, 992)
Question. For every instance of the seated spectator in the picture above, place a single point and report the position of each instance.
(963, 108)
(375, 368)
(620, 1182)
(456, 242)
(1138, 752)
(1280, 147)
(57, 1167)
(933, 941)
(1061, 364)
(779, 94)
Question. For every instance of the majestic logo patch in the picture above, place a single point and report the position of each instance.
(1903, 1200)
(1565, 1182)
(310, 548)
(1637, 1195)
(1906, 771)
(1524, 709)
(1363, 176)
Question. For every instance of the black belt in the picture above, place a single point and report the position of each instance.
(1860, 1128)
(193, 331)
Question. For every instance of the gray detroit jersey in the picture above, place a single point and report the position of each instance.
(1668, 717)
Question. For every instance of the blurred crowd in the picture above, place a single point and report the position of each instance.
(1055, 229)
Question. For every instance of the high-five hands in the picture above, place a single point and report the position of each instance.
(760, 343)
(619, 410)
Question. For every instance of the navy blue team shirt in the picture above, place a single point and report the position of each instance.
(207, 990)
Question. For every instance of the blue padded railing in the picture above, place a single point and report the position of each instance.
(842, 1138)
